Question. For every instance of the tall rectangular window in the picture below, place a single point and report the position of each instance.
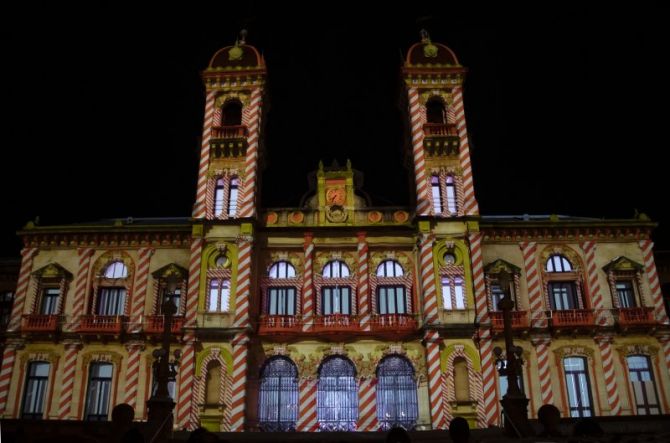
(281, 301)
(219, 295)
(336, 300)
(453, 293)
(577, 384)
(451, 195)
(6, 301)
(437, 194)
(98, 392)
(34, 395)
(218, 197)
(446, 293)
(49, 304)
(232, 196)
(563, 296)
(497, 295)
(459, 293)
(503, 384)
(644, 388)
(626, 294)
(391, 300)
(111, 301)
(175, 298)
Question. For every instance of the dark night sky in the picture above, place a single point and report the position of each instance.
(102, 108)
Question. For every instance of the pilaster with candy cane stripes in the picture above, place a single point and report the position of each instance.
(589, 248)
(248, 195)
(200, 208)
(543, 368)
(239, 382)
(490, 399)
(433, 342)
(81, 285)
(447, 396)
(367, 404)
(664, 339)
(133, 372)
(6, 371)
(479, 284)
(647, 247)
(529, 252)
(423, 196)
(243, 281)
(469, 202)
(428, 280)
(140, 293)
(363, 283)
(193, 282)
(308, 285)
(27, 256)
(186, 374)
(307, 419)
(605, 346)
(67, 381)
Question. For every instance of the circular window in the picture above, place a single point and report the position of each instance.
(449, 258)
(222, 261)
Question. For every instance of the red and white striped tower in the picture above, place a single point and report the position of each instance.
(605, 346)
(490, 398)
(248, 194)
(6, 370)
(481, 305)
(186, 375)
(529, 252)
(308, 285)
(307, 405)
(193, 282)
(140, 292)
(200, 208)
(363, 283)
(647, 247)
(543, 368)
(433, 342)
(243, 292)
(67, 381)
(367, 404)
(423, 196)
(27, 256)
(81, 285)
(428, 279)
(589, 248)
(239, 382)
(134, 349)
(470, 202)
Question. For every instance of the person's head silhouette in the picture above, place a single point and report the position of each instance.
(459, 430)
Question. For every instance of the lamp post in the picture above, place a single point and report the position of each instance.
(514, 402)
(160, 405)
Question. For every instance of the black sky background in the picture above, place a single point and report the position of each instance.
(567, 104)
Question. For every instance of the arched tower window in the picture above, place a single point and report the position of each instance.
(337, 395)
(563, 293)
(219, 195)
(231, 113)
(232, 196)
(278, 395)
(281, 300)
(335, 298)
(461, 379)
(391, 297)
(112, 290)
(397, 403)
(436, 193)
(452, 207)
(435, 112)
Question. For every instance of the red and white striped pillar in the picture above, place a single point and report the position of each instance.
(589, 248)
(6, 371)
(470, 202)
(244, 243)
(27, 256)
(446, 397)
(423, 195)
(81, 286)
(664, 339)
(140, 292)
(489, 397)
(134, 349)
(192, 291)
(67, 381)
(308, 285)
(247, 198)
(367, 404)
(529, 252)
(363, 283)
(239, 382)
(481, 305)
(183, 416)
(541, 345)
(428, 280)
(307, 420)
(433, 342)
(200, 208)
(647, 247)
(605, 346)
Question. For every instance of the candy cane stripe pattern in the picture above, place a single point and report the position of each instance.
(543, 368)
(248, 197)
(140, 292)
(367, 405)
(428, 280)
(589, 248)
(81, 284)
(488, 377)
(308, 286)
(199, 209)
(605, 346)
(665, 342)
(470, 203)
(433, 341)
(423, 203)
(8, 358)
(186, 384)
(193, 282)
(239, 381)
(243, 282)
(647, 247)
(363, 286)
(529, 249)
(481, 304)
(27, 255)
(67, 382)
(307, 403)
(133, 373)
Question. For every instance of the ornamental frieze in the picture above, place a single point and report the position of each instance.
(571, 351)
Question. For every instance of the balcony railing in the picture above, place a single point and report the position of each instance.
(636, 316)
(109, 324)
(439, 129)
(229, 132)
(393, 322)
(519, 320)
(279, 323)
(40, 323)
(572, 317)
(154, 324)
(336, 323)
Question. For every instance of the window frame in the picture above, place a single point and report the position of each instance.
(221, 295)
(88, 416)
(279, 394)
(647, 406)
(571, 373)
(385, 421)
(42, 384)
(54, 300)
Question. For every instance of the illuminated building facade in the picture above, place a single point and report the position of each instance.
(336, 315)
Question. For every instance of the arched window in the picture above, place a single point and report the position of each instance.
(219, 194)
(436, 193)
(112, 292)
(397, 403)
(219, 295)
(337, 395)
(278, 395)
(578, 386)
(644, 388)
(213, 384)
(281, 300)
(563, 292)
(231, 114)
(391, 297)
(282, 269)
(232, 196)
(453, 293)
(335, 299)
(435, 112)
(461, 379)
(452, 207)
(390, 268)
(35, 392)
(558, 263)
(116, 269)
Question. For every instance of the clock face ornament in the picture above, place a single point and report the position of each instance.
(335, 196)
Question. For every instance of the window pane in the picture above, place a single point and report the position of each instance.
(35, 390)
(381, 306)
(625, 294)
(446, 293)
(346, 298)
(225, 295)
(337, 395)
(458, 291)
(397, 403)
(437, 198)
(278, 396)
(232, 201)
(50, 301)
(577, 384)
(212, 302)
(218, 198)
(111, 301)
(451, 196)
(98, 391)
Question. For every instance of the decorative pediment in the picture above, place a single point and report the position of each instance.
(171, 270)
(500, 265)
(53, 270)
(622, 264)
(573, 351)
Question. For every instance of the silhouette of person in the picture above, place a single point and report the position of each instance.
(459, 430)
(549, 417)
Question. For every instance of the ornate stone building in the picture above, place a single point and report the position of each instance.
(336, 315)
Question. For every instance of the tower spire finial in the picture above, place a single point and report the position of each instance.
(425, 38)
(243, 36)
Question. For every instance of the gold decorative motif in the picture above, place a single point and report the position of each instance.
(569, 253)
(400, 216)
(296, 217)
(335, 195)
(235, 53)
(375, 216)
(638, 349)
(568, 351)
(271, 218)
(336, 214)
(101, 356)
